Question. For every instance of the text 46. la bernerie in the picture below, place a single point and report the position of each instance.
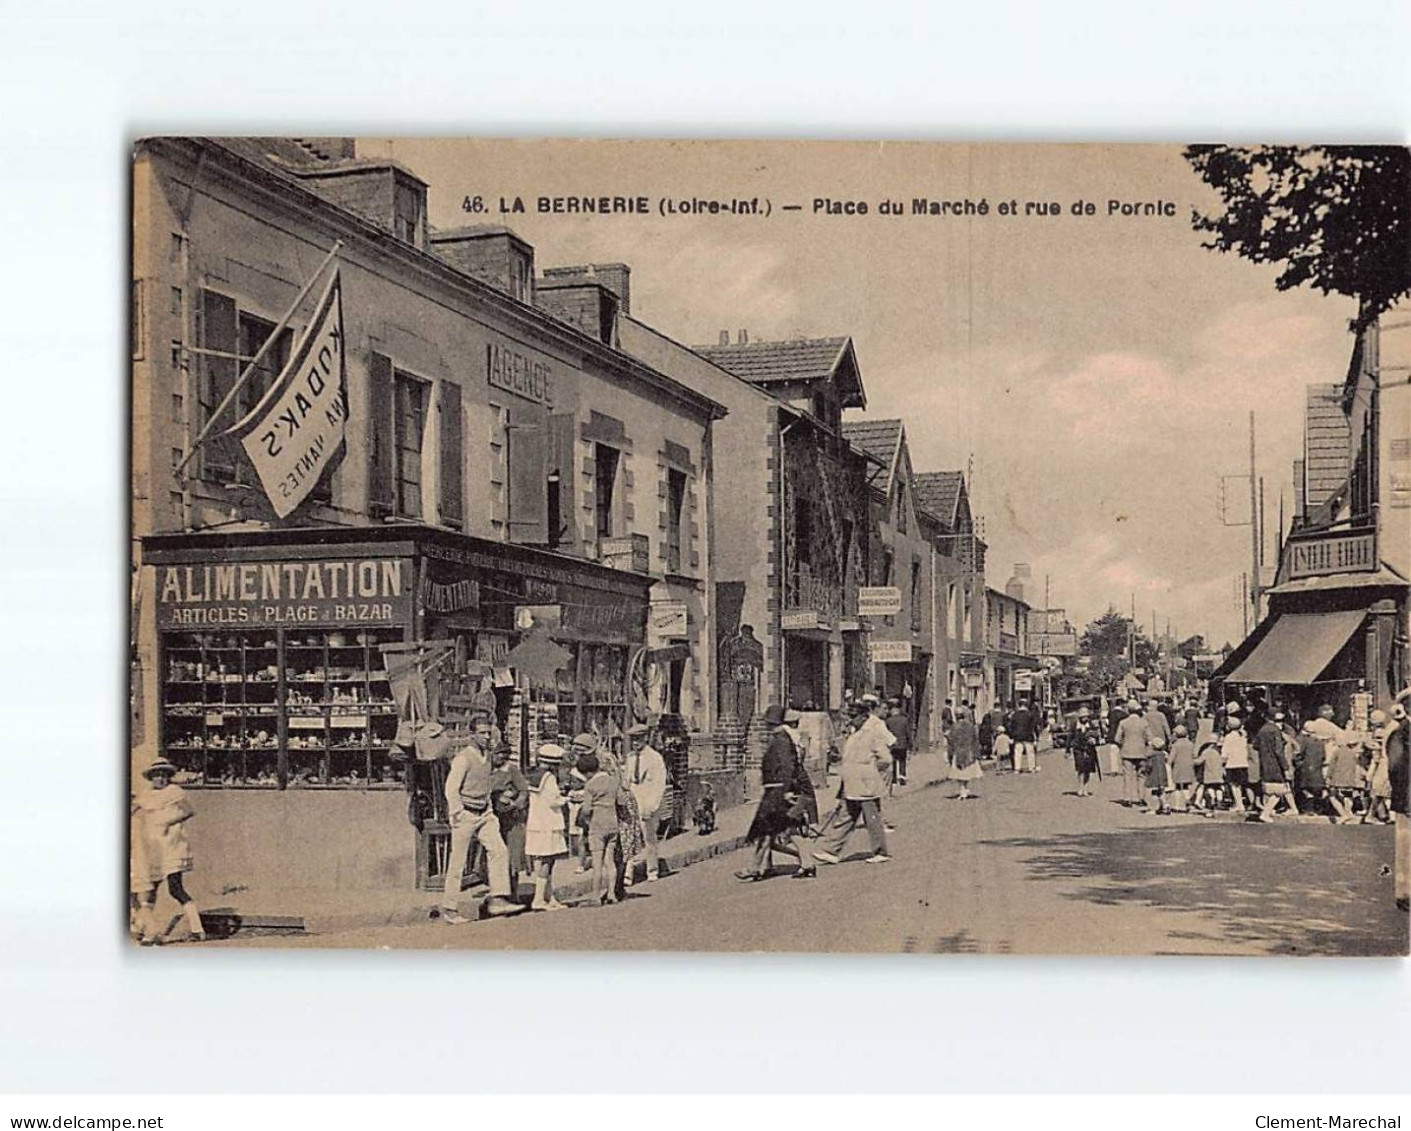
(825, 206)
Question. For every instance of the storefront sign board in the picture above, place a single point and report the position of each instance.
(879, 601)
(1336, 553)
(304, 593)
(890, 651)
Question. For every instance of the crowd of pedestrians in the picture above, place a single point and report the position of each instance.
(583, 800)
(1247, 757)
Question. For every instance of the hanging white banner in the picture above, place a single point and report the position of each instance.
(299, 425)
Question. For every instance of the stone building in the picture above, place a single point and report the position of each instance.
(901, 651)
(506, 469)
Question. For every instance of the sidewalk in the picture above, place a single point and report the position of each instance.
(322, 911)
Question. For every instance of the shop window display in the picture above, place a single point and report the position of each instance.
(248, 710)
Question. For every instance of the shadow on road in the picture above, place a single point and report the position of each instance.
(1286, 890)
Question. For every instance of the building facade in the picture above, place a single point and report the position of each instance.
(506, 468)
(901, 650)
(790, 549)
(1337, 628)
(958, 591)
(1016, 674)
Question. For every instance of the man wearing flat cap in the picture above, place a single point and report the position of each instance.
(646, 778)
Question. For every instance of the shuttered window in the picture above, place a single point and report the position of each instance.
(224, 330)
(253, 333)
(605, 460)
(675, 506)
(561, 480)
(451, 502)
(528, 474)
(217, 332)
(410, 432)
(380, 437)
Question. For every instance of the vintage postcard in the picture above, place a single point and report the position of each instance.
(770, 546)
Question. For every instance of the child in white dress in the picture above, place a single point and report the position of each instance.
(160, 850)
(545, 838)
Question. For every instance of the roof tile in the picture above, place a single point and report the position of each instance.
(803, 359)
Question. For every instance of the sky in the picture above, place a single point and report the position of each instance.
(1099, 369)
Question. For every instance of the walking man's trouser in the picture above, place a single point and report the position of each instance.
(869, 813)
(467, 828)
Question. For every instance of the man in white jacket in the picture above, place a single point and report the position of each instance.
(867, 762)
(646, 778)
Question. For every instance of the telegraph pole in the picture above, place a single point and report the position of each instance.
(1254, 527)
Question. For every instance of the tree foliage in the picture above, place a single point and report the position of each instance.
(1106, 641)
(1335, 216)
(1192, 646)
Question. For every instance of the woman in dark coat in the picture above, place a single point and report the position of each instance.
(782, 813)
(964, 752)
(1082, 744)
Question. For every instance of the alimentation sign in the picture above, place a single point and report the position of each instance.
(261, 594)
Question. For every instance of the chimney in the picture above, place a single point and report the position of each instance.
(614, 277)
(724, 338)
(329, 148)
(743, 339)
(1014, 587)
(491, 254)
(381, 192)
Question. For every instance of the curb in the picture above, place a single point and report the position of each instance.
(570, 889)
(576, 887)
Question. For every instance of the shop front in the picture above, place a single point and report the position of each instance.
(899, 672)
(272, 656)
(806, 659)
(1343, 645)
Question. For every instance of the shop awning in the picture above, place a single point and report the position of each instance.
(1297, 648)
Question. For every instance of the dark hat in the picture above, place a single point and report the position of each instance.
(774, 715)
(638, 729)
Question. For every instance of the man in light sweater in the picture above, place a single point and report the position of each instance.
(473, 820)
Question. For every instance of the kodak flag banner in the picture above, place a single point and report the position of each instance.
(299, 425)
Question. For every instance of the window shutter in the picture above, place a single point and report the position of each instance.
(561, 456)
(380, 436)
(528, 474)
(452, 457)
(219, 454)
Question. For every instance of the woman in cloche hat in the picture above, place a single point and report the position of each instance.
(160, 850)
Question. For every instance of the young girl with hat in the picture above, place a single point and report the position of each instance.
(1156, 776)
(545, 839)
(160, 850)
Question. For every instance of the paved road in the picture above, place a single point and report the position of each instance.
(1028, 868)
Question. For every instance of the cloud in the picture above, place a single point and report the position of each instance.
(1103, 470)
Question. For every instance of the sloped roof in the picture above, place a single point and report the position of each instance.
(801, 359)
(939, 492)
(804, 359)
(878, 438)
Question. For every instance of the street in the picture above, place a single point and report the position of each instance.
(1027, 868)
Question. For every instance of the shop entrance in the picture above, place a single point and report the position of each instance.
(806, 670)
